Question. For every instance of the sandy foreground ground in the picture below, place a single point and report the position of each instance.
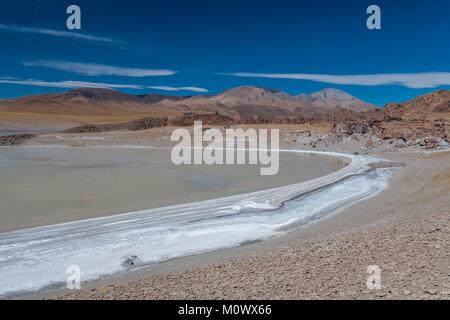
(404, 230)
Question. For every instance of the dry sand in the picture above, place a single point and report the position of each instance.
(404, 230)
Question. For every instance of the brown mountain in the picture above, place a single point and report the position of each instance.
(424, 121)
(336, 99)
(430, 106)
(50, 112)
(262, 103)
(99, 106)
(249, 95)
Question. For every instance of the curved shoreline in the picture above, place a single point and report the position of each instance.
(209, 209)
(291, 189)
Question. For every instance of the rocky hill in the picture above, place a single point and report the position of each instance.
(335, 99)
(423, 122)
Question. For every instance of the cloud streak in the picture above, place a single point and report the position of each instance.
(69, 84)
(56, 33)
(409, 80)
(95, 85)
(93, 69)
(167, 88)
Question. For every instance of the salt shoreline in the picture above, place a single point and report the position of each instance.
(404, 230)
(280, 195)
(46, 186)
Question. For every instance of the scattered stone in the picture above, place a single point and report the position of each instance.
(406, 292)
(15, 140)
(130, 261)
(431, 291)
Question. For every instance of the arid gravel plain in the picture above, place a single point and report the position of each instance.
(404, 230)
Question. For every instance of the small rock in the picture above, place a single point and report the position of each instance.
(130, 261)
(431, 291)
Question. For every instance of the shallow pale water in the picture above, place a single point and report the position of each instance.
(42, 186)
(34, 259)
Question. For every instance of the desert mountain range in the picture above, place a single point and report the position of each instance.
(424, 121)
(60, 111)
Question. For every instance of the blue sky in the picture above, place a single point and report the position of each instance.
(192, 47)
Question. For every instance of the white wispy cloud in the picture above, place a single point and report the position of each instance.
(69, 84)
(84, 84)
(409, 80)
(56, 33)
(167, 88)
(93, 69)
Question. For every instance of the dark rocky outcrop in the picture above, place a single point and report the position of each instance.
(146, 123)
(134, 125)
(94, 128)
(422, 122)
(15, 140)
